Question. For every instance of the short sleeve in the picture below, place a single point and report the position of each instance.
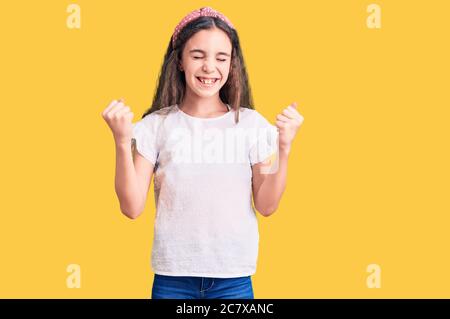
(145, 137)
(265, 141)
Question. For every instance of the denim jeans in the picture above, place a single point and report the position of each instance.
(182, 287)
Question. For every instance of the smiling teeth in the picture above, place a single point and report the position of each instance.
(208, 81)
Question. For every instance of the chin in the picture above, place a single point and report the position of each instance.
(207, 94)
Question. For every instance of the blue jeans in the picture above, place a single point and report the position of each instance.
(181, 287)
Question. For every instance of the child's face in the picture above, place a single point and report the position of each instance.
(206, 56)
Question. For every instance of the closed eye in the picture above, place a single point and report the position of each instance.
(198, 57)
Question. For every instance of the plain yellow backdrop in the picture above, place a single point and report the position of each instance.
(368, 179)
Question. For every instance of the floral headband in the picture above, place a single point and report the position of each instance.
(202, 12)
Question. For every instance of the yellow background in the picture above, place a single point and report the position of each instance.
(368, 179)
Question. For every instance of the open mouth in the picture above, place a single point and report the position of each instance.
(207, 82)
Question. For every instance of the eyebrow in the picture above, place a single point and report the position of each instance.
(201, 51)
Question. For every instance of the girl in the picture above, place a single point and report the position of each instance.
(210, 153)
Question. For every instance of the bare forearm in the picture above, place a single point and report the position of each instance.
(126, 183)
(271, 190)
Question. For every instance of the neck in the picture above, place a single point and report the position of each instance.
(203, 106)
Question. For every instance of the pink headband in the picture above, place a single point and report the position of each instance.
(202, 12)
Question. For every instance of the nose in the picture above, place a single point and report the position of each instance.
(208, 66)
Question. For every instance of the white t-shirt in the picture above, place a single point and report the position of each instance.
(205, 222)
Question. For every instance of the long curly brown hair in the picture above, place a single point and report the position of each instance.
(171, 81)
